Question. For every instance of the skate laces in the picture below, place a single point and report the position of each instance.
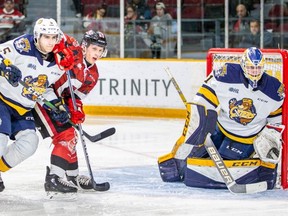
(65, 183)
(83, 180)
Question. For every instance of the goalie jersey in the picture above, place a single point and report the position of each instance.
(243, 112)
(36, 72)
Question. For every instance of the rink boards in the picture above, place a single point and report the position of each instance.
(143, 88)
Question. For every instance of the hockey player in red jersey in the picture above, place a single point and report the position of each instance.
(84, 76)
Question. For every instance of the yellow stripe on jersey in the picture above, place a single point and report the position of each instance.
(276, 112)
(209, 95)
(3, 166)
(19, 109)
(247, 140)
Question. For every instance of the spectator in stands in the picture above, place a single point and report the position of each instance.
(252, 38)
(249, 4)
(9, 16)
(142, 8)
(160, 30)
(133, 29)
(240, 25)
(275, 15)
(77, 5)
(94, 19)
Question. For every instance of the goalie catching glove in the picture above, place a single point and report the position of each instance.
(76, 116)
(268, 144)
(11, 73)
(61, 115)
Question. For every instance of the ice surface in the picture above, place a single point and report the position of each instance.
(128, 160)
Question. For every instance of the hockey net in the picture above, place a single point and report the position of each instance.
(276, 64)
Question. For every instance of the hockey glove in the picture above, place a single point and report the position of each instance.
(11, 73)
(61, 115)
(268, 144)
(64, 56)
(76, 116)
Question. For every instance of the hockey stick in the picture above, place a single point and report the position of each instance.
(231, 184)
(187, 120)
(96, 186)
(226, 175)
(104, 134)
(50, 105)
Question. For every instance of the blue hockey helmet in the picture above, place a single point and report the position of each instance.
(252, 63)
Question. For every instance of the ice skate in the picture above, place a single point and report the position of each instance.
(81, 181)
(57, 188)
(2, 187)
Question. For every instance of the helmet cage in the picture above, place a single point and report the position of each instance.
(252, 64)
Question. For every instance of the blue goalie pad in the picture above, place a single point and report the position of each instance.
(169, 171)
(203, 174)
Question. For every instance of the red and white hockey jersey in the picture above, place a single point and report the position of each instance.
(83, 77)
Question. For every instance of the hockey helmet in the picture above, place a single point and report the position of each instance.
(252, 63)
(95, 38)
(46, 26)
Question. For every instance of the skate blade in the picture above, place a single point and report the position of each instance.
(53, 195)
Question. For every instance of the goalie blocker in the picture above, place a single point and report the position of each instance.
(186, 163)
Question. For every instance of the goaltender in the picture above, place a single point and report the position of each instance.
(247, 103)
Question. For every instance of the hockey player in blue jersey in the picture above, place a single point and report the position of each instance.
(248, 103)
(28, 58)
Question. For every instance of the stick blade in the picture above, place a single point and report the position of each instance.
(105, 186)
(248, 188)
(104, 134)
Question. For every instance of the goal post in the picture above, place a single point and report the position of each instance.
(276, 65)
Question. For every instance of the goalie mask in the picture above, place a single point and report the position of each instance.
(95, 38)
(46, 26)
(252, 63)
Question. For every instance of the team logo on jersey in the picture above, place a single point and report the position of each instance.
(221, 71)
(23, 44)
(242, 111)
(36, 85)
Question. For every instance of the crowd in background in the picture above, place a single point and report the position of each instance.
(151, 30)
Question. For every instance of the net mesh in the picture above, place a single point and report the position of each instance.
(273, 65)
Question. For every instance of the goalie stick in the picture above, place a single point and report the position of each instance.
(228, 179)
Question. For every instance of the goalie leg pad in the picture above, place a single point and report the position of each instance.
(202, 173)
(203, 123)
(168, 169)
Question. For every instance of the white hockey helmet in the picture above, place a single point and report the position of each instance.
(252, 63)
(46, 26)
